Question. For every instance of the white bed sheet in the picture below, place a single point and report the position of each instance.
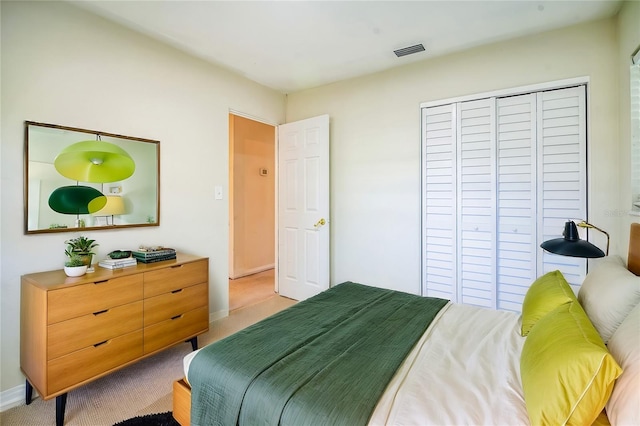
(465, 370)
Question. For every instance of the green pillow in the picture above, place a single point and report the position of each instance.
(545, 294)
(567, 372)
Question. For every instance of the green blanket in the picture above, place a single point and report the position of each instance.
(326, 360)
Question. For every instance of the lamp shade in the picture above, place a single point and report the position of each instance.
(94, 161)
(114, 206)
(571, 244)
(76, 199)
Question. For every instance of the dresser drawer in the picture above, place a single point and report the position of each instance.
(175, 277)
(84, 299)
(87, 363)
(175, 330)
(176, 302)
(80, 332)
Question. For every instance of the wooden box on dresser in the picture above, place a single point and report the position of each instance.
(75, 330)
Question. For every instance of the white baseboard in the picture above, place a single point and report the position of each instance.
(218, 315)
(253, 271)
(14, 397)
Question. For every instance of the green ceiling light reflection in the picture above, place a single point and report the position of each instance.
(77, 200)
(94, 161)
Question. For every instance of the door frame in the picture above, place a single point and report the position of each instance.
(276, 191)
(275, 167)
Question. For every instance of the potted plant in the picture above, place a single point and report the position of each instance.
(82, 247)
(74, 266)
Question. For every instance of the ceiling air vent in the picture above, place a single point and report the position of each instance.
(409, 50)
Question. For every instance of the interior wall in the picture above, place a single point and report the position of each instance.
(62, 65)
(375, 141)
(628, 41)
(252, 230)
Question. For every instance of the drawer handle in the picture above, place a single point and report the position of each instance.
(100, 312)
(101, 282)
(176, 266)
(176, 291)
(176, 317)
(100, 344)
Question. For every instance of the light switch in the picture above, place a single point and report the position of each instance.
(218, 192)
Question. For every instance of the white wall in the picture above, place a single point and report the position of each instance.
(628, 41)
(375, 142)
(64, 66)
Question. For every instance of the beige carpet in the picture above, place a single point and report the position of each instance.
(142, 388)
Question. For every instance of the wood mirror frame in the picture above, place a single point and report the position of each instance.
(140, 193)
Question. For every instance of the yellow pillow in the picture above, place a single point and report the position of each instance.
(567, 372)
(545, 294)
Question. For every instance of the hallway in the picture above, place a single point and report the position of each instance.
(251, 289)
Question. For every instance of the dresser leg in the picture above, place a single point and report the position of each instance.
(194, 343)
(61, 404)
(28, 392)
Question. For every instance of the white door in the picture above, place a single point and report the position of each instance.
(562, 169)
(303, 207)
(516, 234)
(476, 200)
(500, 176)
(439, 221)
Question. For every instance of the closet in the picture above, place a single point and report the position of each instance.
(500, 175)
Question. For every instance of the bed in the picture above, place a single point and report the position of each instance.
(566, 359)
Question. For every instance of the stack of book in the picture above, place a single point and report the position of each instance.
(117, 263)
(154, 255)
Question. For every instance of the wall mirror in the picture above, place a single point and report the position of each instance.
(634, 85)
(78, 179)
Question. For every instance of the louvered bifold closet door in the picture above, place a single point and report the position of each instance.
(562, 174)
(476, 202)
(438, 202)
(516, 226)
(500, 176)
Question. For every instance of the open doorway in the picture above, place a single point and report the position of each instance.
(251, 211)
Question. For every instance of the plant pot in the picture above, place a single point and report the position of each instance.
(75, 271)
(86, 259)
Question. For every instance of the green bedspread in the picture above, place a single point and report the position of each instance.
(326, 360)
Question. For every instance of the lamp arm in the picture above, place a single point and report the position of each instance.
(584, 224)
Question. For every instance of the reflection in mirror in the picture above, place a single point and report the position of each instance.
(77, 178)
(635, 131)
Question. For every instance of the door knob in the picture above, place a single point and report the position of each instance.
(320, 223)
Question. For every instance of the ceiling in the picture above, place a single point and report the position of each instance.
(295, 45)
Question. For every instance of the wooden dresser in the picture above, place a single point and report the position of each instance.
(75, 330)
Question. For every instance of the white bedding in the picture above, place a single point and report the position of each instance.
(464, 370)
